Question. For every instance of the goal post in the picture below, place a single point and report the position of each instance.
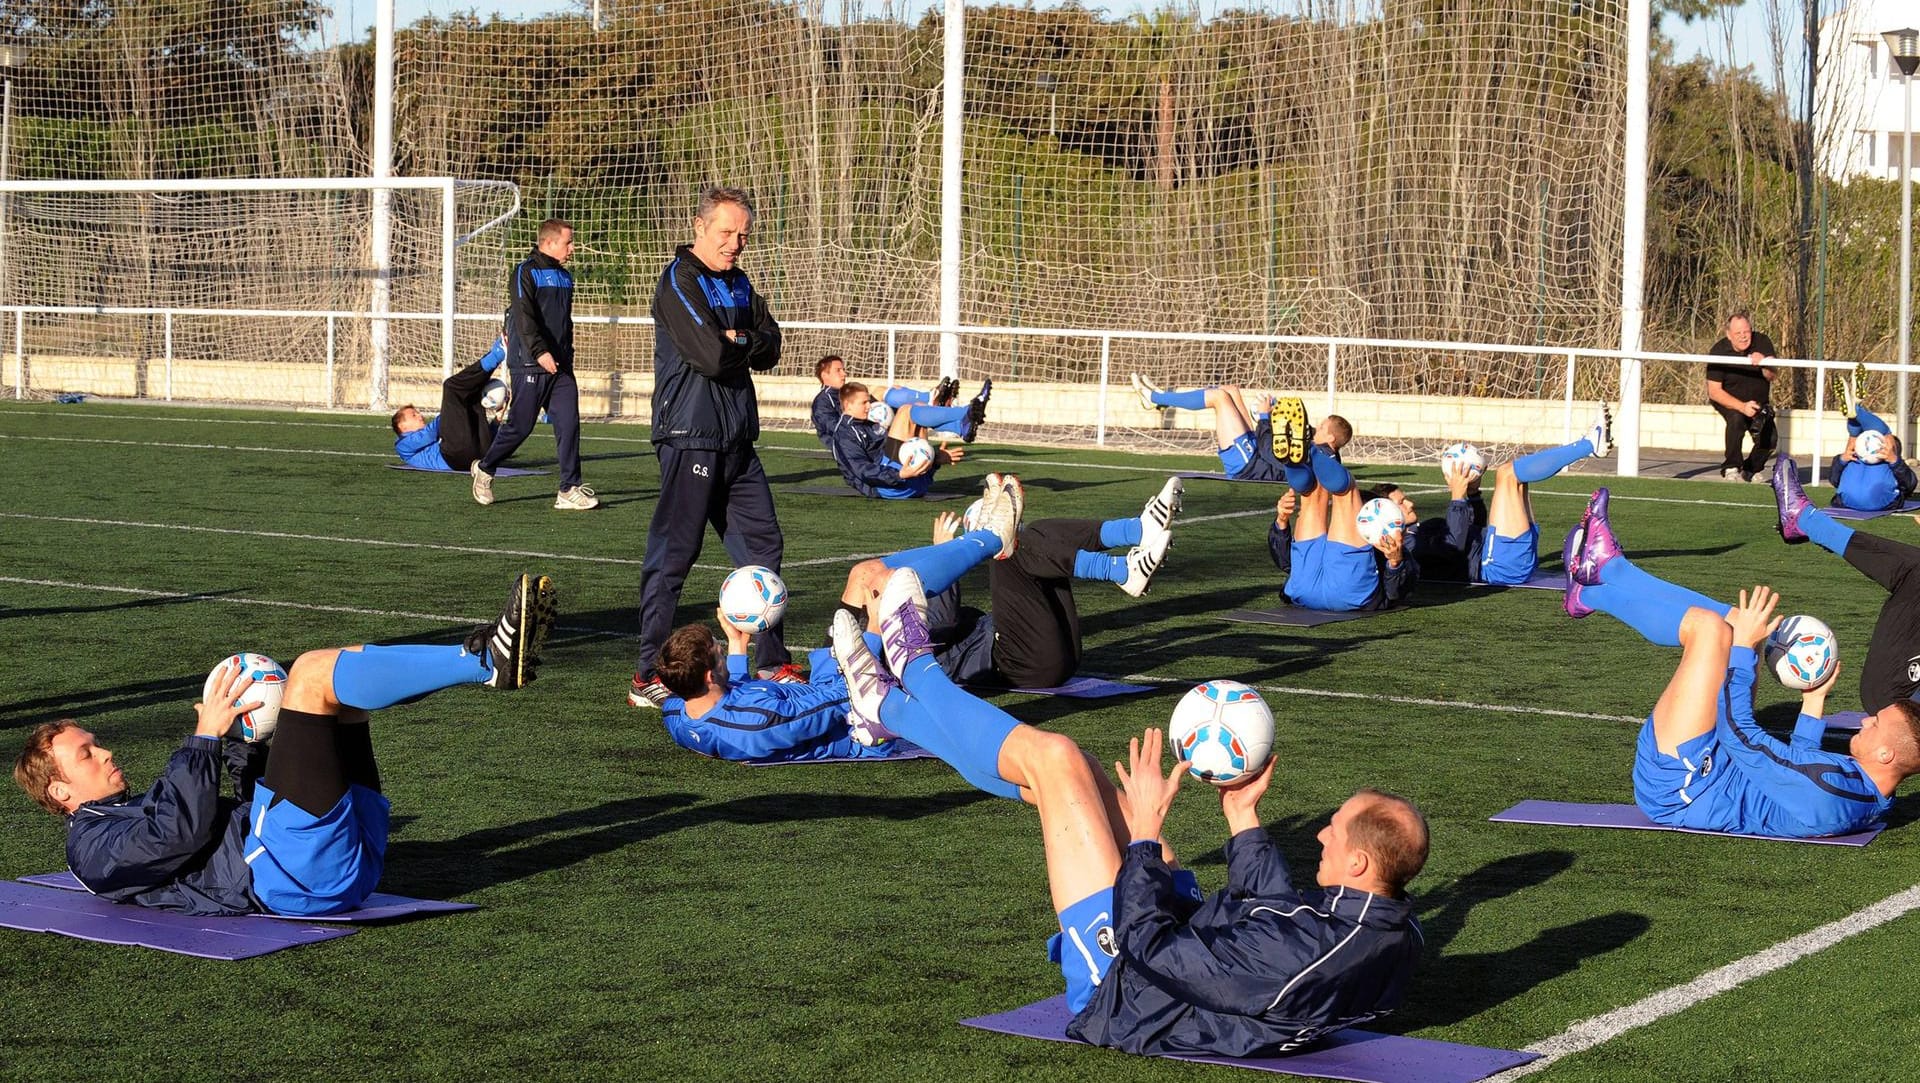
(291, 247)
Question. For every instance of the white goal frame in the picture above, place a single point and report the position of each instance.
(450, 239)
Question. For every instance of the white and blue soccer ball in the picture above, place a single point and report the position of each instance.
(880, 413)
(915, 453)
(269, 686)
(1223, 732)
(1380, 517)
(1872, 447)
(493, 395)
(1463, 460)
(753, 598)
(1802, 652)
(970, 519)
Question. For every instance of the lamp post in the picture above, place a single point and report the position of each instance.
(1904, 46)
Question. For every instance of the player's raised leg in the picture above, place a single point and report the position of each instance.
(1601, 579)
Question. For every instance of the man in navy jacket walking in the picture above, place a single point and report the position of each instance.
(712, 332)
(540, 364)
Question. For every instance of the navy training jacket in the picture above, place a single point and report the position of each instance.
(859, 447)
(179, 846)
(540, 316)
(703, 397)
(1257, 969)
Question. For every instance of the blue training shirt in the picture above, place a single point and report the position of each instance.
(767, 721)
(1868, 486)
(1761, 785)
(421, 448)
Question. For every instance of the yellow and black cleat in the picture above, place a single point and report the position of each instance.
(1290, 431)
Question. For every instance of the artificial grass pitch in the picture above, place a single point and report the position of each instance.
(647, 913)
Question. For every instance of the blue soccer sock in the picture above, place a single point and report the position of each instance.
(941, 417)
(375, 677)
(1866, 421)
(1826, 532)
(1542, 465)
(961, 729)
(1118, 532)
(1181, 400)
(941, 566)
(1328, 471)
(1300, 477)
(1653, 607)
(1099, 566)
(897, 397)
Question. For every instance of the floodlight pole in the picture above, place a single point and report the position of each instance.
(1904, 45)
(381, 224)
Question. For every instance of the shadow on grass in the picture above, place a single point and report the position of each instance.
(498, 855)
(112, 699)
(800, 476)
(1448, 988)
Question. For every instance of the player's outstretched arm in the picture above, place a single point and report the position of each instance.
(1146, 794)
(1752, 620)
(1811, 726)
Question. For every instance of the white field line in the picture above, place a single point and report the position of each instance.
(201, 447)
(375, 542)
(445, 618)
(1588, 1033)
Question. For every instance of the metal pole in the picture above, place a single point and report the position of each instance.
(19, 353)
(952, 122)
(329, 362)
(381, 254)
(1568, 420)
(1633, 248)
(6, 146)
(1100, 426)
(169, 337)
(448, 247)
(893, 354)
(1906, 257)
(1333, 361)
(1819, 411)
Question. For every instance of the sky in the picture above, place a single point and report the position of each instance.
(353, 19)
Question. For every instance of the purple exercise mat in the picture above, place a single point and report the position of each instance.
(1085, 687)
(907, 752)
(1540, 580)
(1573, 814)
(1215, 475)
(1845, 720)
(1293, 616)
(1857, 515)
(38, 909)
(503, 472)
(1357, 1055)
(379, 906)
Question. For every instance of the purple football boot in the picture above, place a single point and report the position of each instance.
(1790, 499)
(867, 683)
(903, 619)
(1597, 547)
(1570, 600)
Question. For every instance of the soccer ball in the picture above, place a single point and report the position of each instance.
(915, 453)
(1872, 447)
(880, 413)
(494, 395)
(269, 685)
(753, 599)
(1223, 732)
(1463, 460)
(1380, 517)
(1802, 652)
(970, 519)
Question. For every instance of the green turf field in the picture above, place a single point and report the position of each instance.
(649, 914)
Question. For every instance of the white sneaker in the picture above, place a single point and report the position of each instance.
(1601, 434)
(1728, 473)
(1142, 561)
(1000, 509)
(867, 683)
(578, 498)
(1157, 517)
(482, 485)
(1145, 388)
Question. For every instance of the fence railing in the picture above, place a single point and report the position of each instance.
(1568, 359)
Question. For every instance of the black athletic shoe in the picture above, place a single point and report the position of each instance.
(946, 391)
(512, 643)
(977, 410)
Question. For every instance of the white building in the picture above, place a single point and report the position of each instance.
(1860, 100)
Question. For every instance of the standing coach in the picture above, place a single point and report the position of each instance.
(711, 333)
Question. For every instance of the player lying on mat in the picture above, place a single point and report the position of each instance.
(1497, 543)
(1702, 761)
(1031, 636)
(1891, 673)
(1869, 474)
(308, 838)
(869, 453)
(1253, 444)
(464, 428)
(831, 371)
(1327, 563)
(717, 709)
(1150, 966)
